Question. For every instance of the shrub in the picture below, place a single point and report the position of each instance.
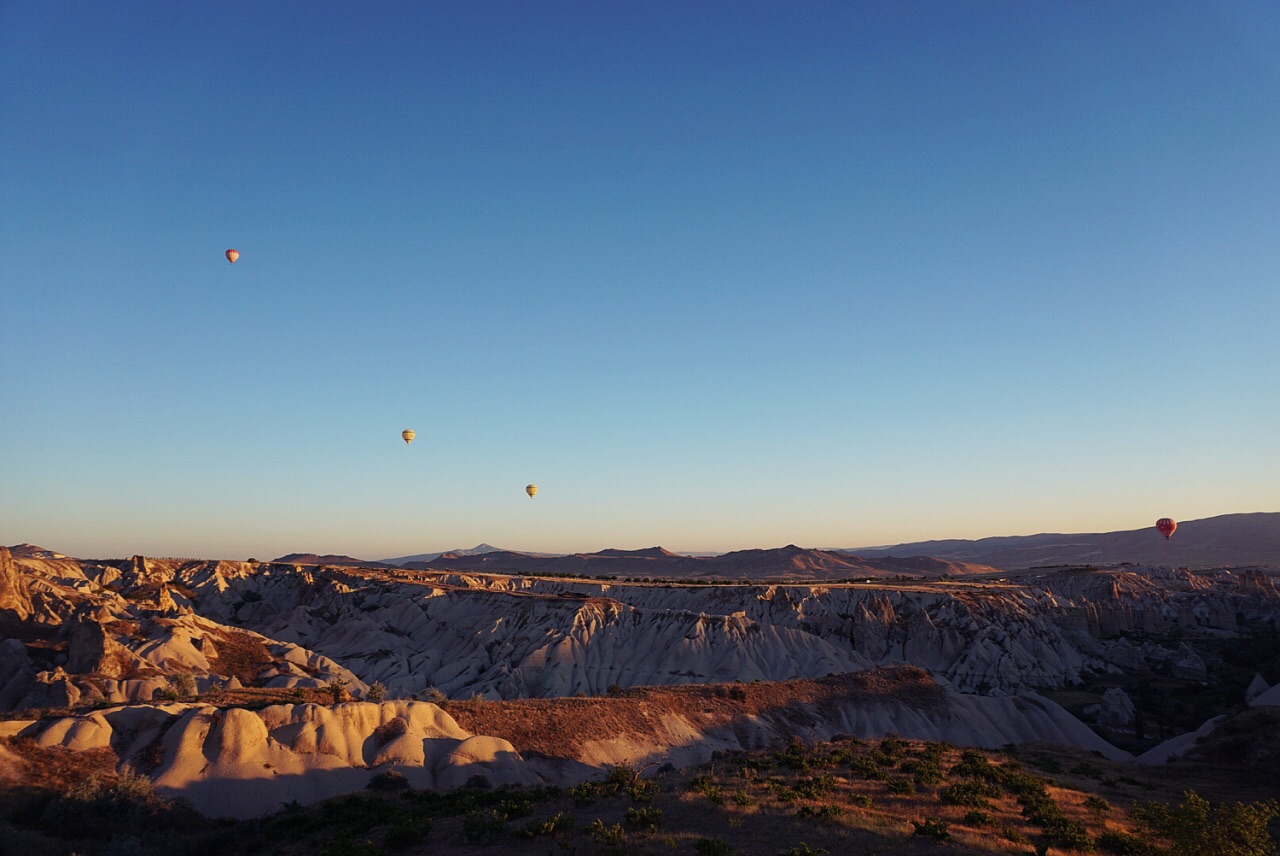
(821, 812)
(536, 828)
(1120, 844)
(859, 800)
(377, 692)
(975, 765)
(926, 771)
(741, 797)
(585, 793)
(480, 827)
(932, 828)
(1014, 836)
(1049, 765)
(1096, 804)
(971, 793)
(706, 786)
(644, 819)
(606, 836)
(901, 786)
(867, 767)
(977, 818)
(803, 849)
(711, 847)
(406, 833)
(816, 787)
(388, 731)
(1196, 826)
(388, 780)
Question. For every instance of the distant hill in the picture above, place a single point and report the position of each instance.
(31, 551)
(477, 550)
(1226, 540)
(341, 561)
(790, 562)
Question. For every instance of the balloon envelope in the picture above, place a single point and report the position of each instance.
(1167, 526)
(232, 255)
(531, 489)
(408, 435)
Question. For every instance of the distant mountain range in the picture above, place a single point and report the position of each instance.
(790, 562)
(477, 550)
(329, 559)
(1214, 542)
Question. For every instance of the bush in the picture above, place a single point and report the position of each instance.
(803, 849)
(536, 828)
(1120, 844)
(972, 793)
(585, 793)
(821, 812)
(481, 827)
(711, 847)
(706, 786)
(644, 819)
(1049, 765)
(977, 818)
(1197, 826)
(606, 836)
(1096, 804)
(901, 786)
(406, 833)
(388, 780)
(816, 787)
(932, 828)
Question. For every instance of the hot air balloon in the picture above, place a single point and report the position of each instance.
(232, 255)
(1167, 527)
(408, 435)
(531, 489)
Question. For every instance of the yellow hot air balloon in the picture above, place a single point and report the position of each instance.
(232, 255)
(408, 435)
(531, 489)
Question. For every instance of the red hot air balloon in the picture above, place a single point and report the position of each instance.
(232, 255)
(1167, 527)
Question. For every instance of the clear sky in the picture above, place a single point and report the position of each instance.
(715, 275)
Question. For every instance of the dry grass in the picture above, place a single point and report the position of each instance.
(240, 655)
(55, 768)
(550, 727)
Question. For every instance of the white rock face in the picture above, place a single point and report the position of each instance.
(241, 763)
(1117, 710)
(1256, 688)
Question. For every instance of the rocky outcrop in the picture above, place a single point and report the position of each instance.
(241, 763)
(15, 599)
(93, 651)
(1117, 710)
(519, 637)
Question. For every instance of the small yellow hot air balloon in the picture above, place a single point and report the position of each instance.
(232, 255)
(531, 489)
(408, 435)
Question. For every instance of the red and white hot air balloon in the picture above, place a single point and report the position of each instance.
(1167, 527)
(232, 255)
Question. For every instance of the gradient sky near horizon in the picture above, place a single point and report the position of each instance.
(714, 275)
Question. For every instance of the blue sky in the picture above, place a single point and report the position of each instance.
(714, 275)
